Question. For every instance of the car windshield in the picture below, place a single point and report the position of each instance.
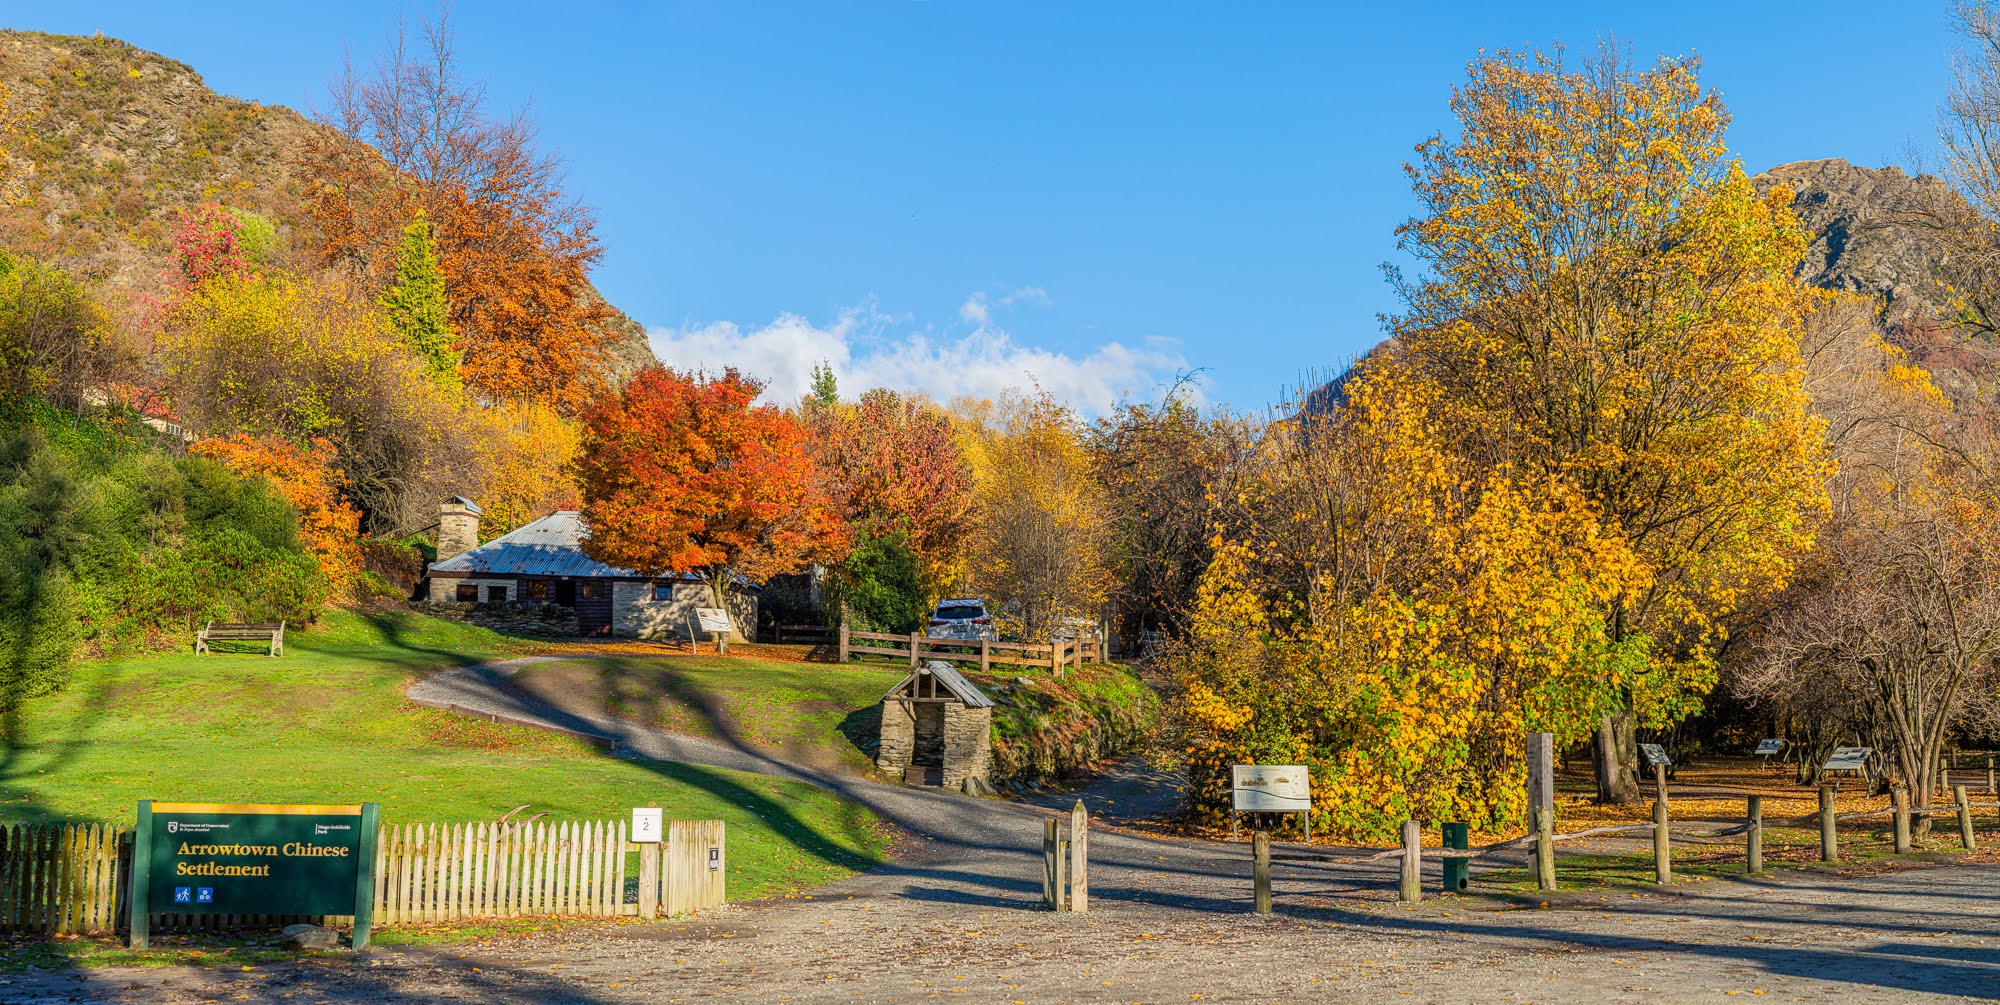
(962, 613)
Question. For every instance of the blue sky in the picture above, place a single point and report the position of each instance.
(966, 196)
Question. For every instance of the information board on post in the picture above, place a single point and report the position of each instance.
(1848, 759)
(712, 619)
(1270, 788)
(254, 858)
(1655, 755)
(1766, 748)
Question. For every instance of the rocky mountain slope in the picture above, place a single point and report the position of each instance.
(112, 142)
(1872, 232)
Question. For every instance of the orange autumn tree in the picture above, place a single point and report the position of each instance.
(683, 471)
(329, 527)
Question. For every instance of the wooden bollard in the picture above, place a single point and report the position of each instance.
(1990, 790)
(1660, 781)
(1829, 841)
(843, 642)
(1079, 858)
(1413, 863)
(1899, 805)
(1260, 870)
(1051, 883)
(1964, 818)
(1062, 874)
(1545, 848)
(1754, 837)
(1663, 863)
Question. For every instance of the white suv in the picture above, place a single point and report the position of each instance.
(964, 618)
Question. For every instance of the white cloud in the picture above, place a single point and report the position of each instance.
(866, 349)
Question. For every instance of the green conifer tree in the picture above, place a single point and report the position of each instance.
(825, 390)
(416, 306)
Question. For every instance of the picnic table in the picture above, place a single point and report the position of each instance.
(241, 632)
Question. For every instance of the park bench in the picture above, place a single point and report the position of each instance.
(212, 632)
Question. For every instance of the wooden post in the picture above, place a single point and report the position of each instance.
(1660, 782)
(843, 642)
(985, 655)
(1990, 790)
(1260, 870)
(1413, 863)
(1545, 848)
(1754, 837)
(649, 880)
(1899, 804)
(1062, 874)
(913, 648)
(1663, 862)
(1079, 858)
(1964, 818)
(1051, 892)
(1829, 841)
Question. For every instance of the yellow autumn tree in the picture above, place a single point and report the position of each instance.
(1390, 616)
(1038, 553)
(1609, 305)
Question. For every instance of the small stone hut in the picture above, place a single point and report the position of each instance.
(937, 729)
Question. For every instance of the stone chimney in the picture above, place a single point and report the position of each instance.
(458, 527)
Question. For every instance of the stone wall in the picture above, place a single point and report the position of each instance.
(899, 737)
(635, 614)
(519, 619)
(968, 744)
(445, 591)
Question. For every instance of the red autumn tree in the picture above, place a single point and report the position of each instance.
(682, 472)
(893, 465)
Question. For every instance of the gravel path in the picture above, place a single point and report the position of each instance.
(955, 917)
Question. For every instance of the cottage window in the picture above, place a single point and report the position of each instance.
(468, 593)
(496, 594)
(663, 591)
(538, 589)
(593, 589)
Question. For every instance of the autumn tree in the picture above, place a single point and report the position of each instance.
(1394, 616)
(329, 527)
(1039, 547)
(1608, 305)
(416, 308)
(893, 466)
(56, 342)
(527, 453)
(412, 134)
(1164, 468)
(302, 359)
(684, 472)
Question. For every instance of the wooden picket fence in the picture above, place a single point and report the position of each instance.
(59, 878)
(72, 878)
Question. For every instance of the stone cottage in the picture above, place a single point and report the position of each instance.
(543, 562)
(937, 729)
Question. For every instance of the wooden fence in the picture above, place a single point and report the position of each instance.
(73, 878)
(917, 647)
(60, 878)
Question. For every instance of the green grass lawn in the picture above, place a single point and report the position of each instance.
(801, 708)
(327, 723)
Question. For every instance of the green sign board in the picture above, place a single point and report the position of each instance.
(219, 858)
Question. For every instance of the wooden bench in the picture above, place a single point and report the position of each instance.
(212, 632)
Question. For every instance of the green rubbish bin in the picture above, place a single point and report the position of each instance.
(1457, 871)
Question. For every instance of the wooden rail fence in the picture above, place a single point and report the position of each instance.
(916, 647)
(73, 878)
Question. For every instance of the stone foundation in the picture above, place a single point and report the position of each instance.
(968, 744)
(517, 619)
(899, 738)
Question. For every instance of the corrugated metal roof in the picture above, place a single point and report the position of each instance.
(953, 681)
(551, 546)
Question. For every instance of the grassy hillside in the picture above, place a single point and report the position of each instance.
(326, 723)
(828, 715)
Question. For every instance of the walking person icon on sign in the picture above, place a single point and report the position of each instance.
(184, 895)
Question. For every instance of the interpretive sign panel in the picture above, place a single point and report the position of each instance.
(1848, 759)
(1271, 788)
(712, 619)
(1768, 747)
(1655, 755)
(254, 858)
